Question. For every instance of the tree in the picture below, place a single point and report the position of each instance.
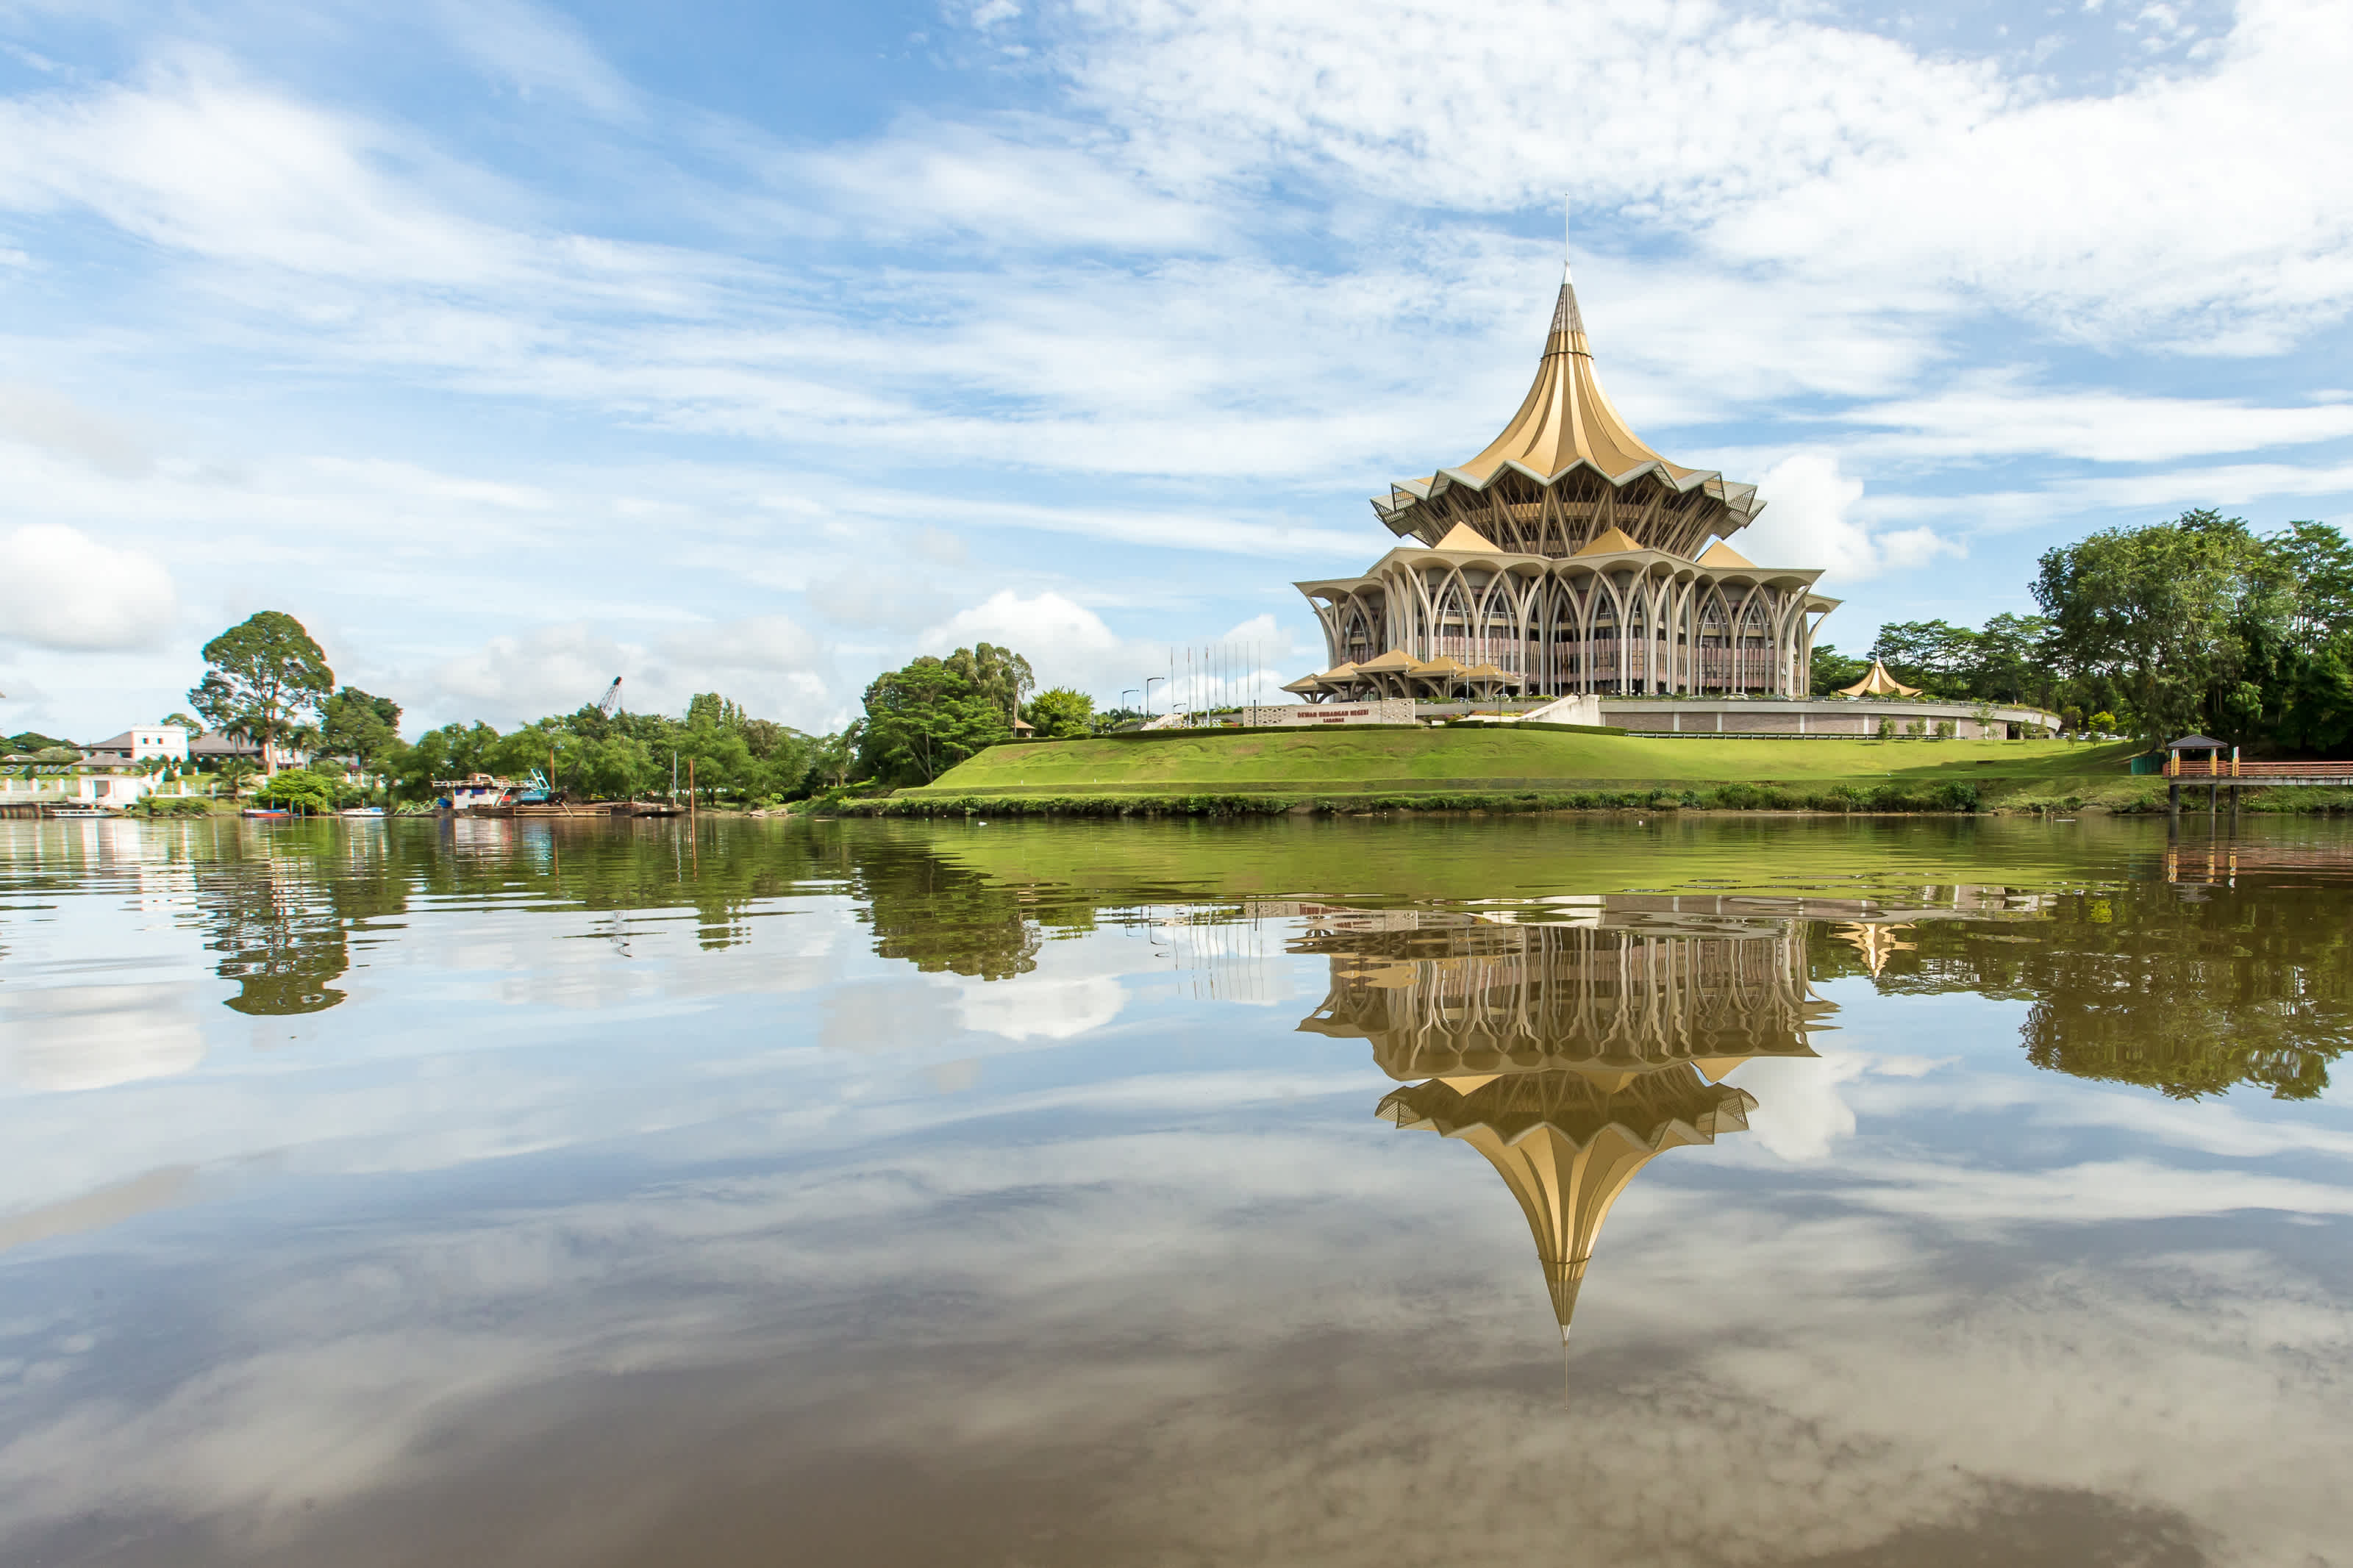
(302, 788)
(1935, 656)
(2320, 560)
(2174, 615)
(833, 758)
(998, 674)
(2008, 663)
(265, 675)
(922, 720)
(709, 711)
(1833, 671)
(356, 725)
(1059, 713)
(451, 752)
(2317, 699)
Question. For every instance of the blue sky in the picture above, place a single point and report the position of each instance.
(754, 347)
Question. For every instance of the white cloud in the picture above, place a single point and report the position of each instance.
(550, 669)
(2188, 206)
(68, 591)
(53, 423)
(768, 663)
(197, 159)
(1005, 189)
(535, 51)
(1999, 415)
(1810, 521)
(1066, 643)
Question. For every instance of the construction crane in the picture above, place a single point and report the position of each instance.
(611, 701)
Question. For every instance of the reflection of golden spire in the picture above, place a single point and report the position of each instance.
(1566, 1145)
(1877, 943)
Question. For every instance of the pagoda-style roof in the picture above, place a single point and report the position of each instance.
(1397, 661)
(1877, 682)
(1566, 1146)
(1566, 419)
(1611, 541)
(1463, 536)
(1566, 467)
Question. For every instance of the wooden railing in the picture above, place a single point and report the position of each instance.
(2181, 767)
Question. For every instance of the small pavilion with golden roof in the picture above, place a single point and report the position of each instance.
(1567, 557)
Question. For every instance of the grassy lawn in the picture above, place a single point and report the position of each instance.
(1404, 760)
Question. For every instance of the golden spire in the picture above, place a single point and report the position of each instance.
(1565, 418)
(1566, 1145)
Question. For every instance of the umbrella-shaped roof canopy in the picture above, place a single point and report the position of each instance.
(1879, 683)
(1397, 661)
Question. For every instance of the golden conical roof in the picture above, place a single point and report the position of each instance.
(1463, 536)
(1879, 683)
(1611, 542)
(1566, 1146)
(1565, 432)
(1565, 418)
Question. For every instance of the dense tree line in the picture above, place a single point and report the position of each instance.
(2199, 623)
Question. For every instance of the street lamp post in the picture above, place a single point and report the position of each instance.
(1147, 692)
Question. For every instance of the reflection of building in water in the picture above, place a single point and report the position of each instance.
(1441, 996)
(1876, 943)
(1567, 1144)
(1569, 1057)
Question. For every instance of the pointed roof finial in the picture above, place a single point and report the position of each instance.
(1568, 234)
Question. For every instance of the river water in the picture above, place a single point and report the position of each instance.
(1355, 1192)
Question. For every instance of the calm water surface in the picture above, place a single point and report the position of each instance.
(1929, 1193)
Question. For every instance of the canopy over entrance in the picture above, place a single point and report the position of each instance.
(1879, 683)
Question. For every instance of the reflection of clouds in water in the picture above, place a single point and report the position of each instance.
(878, 1015)
(1143, 1300)
(1040, 1006)
(89, 1037)
(96, 1211)
(2090, 1192)
(1076, 986)
(1799, 1112)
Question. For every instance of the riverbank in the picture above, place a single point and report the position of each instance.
(1251, 774)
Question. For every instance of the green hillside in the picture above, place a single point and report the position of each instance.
(1466, 760)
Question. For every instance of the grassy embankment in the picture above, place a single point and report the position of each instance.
(1365, 769)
